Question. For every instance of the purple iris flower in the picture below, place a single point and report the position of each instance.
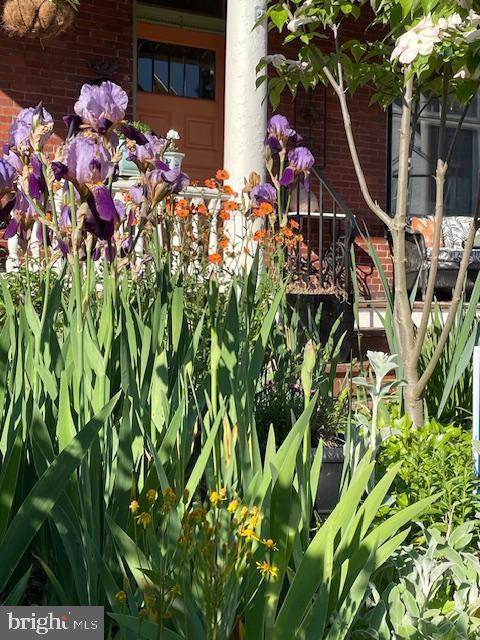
(36, 182)
(300, 161)
(163, 181)
(12, 158)
(73, 123)
(126, 246)
(105, 214)
(101, 107)
(87, 161)
(26, 123)
(7, 176)
(136, 194)
(146, 154)
(263, 193)
(280, 133)
(132, 133)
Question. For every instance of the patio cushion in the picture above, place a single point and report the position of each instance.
(451, 258)
(455, 231)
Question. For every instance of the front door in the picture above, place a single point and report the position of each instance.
(181, 76)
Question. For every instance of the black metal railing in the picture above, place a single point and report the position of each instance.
(321, 260)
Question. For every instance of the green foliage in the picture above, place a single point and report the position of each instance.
(433, 459)
(429, 592)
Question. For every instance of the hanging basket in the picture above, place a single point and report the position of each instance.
(37, 18)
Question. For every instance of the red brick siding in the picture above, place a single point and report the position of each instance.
(317, 117)
(54, 70)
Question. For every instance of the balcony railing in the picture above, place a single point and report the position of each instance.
(321, 262)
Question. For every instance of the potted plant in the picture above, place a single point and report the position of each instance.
(173, 157)
(38, 18)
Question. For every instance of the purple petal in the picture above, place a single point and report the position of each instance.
(132, 133)
(34, 186)
(288, 177)
(11, 230)
(6, 210)
(274, 144)
(59, 169)
(63, 246)
(65, 220)
(73, 123)
(104, 204)
(110, 252)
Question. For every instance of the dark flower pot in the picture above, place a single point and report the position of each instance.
(332, 309)
(328, 492)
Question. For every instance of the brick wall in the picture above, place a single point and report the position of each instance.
(54, 70)
(316, 115)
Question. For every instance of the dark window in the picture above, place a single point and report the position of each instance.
(176, 70)
(461, 181)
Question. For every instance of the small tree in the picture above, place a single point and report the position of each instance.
(413, 48)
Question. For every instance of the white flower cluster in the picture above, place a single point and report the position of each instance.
(420, 39)
(279, 61)
(172, 135)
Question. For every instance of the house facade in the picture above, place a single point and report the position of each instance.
(190, 65)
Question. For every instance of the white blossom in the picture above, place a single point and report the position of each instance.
(296, 23)
(418, 40)
(172, 135)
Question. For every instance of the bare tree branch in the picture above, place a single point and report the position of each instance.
(339, 89)
(457, 295)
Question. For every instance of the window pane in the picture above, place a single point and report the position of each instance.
(176, 75)
(207, 73)
(145, 67)
(463, 166)
(192, 74)
(161, 74)
(176, 70)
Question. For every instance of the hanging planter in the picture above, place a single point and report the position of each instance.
(38, 18)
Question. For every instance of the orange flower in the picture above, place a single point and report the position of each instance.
(57, 186)
(230, 205)
(182, 213)
(266, 208)
(228, 190)
(202, 209)
(223, 244)
(48, 216)
(259, 235)
(177, 247)
(215, 258)
(293, 223)
(222, 174)
(288, 233)
(182, 203)
(224, 215)
(210, 184)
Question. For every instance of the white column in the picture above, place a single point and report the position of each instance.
(245, 105)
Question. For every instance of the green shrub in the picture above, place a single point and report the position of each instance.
(434, 459)
(426, 593)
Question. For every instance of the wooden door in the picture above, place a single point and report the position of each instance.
(186, 92)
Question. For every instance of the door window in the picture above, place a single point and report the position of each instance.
(176, 70)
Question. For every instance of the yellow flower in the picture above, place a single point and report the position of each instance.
(247, 533)
(267, 569)
(152, 495)
(134, 506)
(121, 597)
(144, 519)
(232, 506)
(218, 496)
(270, 544)
(244, 512)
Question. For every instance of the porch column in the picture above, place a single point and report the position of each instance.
(245, 105)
